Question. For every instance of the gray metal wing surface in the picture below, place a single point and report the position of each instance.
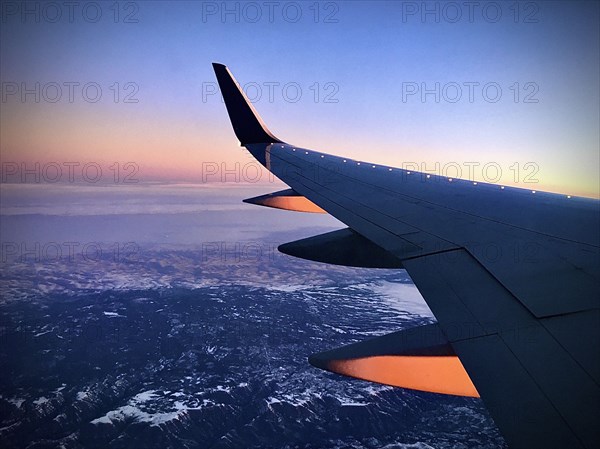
(511, 275)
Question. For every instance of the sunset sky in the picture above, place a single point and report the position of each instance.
(517, 86)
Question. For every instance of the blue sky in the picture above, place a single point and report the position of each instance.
(356, 64)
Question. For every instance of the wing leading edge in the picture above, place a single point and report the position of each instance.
(512, 276)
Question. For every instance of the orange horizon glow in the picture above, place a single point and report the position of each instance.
(238, 167)
(206, 150)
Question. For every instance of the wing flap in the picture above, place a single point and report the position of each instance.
(579, 333)
(517, 351)
(522, 412)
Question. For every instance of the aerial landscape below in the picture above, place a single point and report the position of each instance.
(202, 344)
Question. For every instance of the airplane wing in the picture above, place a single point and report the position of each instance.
(511, 275)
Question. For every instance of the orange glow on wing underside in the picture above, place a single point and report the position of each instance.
(437, 374)
(295, 203)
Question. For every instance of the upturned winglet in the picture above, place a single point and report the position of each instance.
(247, 124)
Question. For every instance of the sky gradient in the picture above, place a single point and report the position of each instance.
(340, 77)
